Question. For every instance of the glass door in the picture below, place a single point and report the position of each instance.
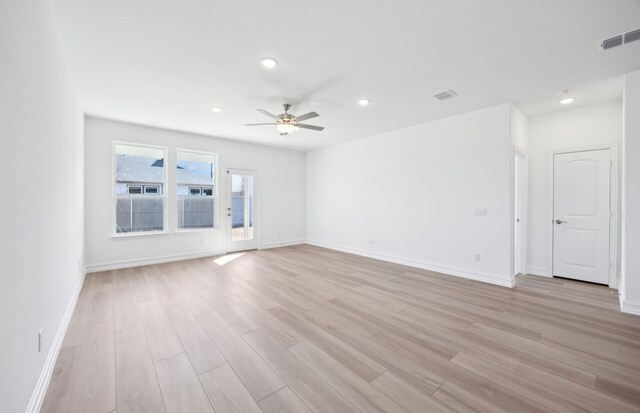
(242, 217)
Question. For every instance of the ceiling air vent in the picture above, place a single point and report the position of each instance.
(632, 36)
(444, 95)
(611, 43)
(619, 40)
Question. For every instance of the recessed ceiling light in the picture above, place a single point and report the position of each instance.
(216, 109)
(269, 62)
(364, 102)
(566, 101)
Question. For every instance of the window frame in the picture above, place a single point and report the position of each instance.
(163, 195)
(214, 192)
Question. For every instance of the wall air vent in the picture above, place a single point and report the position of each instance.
(619, 40)
(444, 95)
(632, 36)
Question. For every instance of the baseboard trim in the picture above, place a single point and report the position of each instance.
(630, 307)
(270, 245)
(116, 265)
(457, 272)
(533, 270)
(37, 397)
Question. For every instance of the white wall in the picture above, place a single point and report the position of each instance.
(630, 291)
(414, 192)
(282, 183)
(574, 128)
(41, 212)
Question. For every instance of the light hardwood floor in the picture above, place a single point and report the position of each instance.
(304, 329)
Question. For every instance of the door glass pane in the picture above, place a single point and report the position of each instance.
(242, 193)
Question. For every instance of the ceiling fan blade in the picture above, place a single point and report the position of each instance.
(264, 112)
(306, 116)
(259, 124)
(312, 127)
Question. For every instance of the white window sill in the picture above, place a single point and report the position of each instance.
(138, 234)
(187, 230)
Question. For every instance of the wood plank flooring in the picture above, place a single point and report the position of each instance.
(304, 329)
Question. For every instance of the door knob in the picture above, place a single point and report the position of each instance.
(560, 222)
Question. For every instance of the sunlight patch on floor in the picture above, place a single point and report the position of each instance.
(225, 259)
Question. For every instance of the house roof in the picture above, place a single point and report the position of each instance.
(131, 168)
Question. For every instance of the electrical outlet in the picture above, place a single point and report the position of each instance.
(372, 241)
(279, 234)
(200, 241)
(476, 257)
(40, 337)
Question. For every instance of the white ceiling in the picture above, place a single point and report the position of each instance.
(584, 95)
(166, 62)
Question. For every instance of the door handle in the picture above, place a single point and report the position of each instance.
(560, 222)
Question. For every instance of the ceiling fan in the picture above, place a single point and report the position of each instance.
(287, 123)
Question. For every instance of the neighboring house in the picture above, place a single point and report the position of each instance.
(141, 175)
(144, 175)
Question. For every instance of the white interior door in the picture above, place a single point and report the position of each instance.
(242, 210)
(581, 206)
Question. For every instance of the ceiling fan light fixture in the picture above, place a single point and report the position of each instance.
(565, 99)
(364, 102)
(286, 128)
(216, 109)
(287, 123)
(268, 62)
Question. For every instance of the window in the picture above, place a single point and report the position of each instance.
(195, 187)
(204, 191)
(151, 190)
(139, 179)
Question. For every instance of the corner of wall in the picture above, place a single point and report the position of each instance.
(629, 287)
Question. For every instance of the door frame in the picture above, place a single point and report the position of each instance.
(524, 204)
(257, 211)
(613, 207)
